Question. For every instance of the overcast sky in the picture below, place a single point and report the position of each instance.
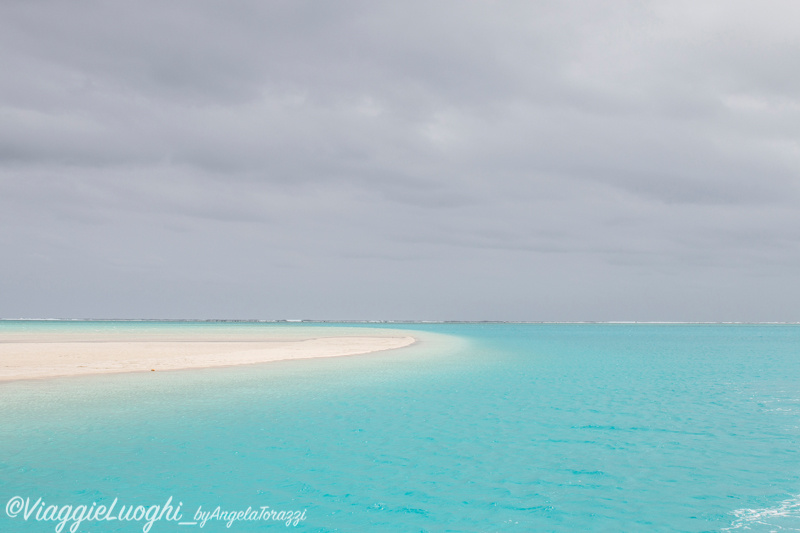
(400, 160)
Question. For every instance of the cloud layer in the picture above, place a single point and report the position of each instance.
(363, 160)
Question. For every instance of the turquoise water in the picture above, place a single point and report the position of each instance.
(481, 427)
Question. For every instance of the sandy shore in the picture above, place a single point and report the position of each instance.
(29, 358)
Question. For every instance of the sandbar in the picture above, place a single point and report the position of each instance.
(30, 358)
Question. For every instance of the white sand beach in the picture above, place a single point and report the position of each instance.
(50, 356)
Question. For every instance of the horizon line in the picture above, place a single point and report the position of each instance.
(389, 321)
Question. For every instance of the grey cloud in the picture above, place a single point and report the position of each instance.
(459, 160)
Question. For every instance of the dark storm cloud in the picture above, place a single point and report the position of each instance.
(512, 160)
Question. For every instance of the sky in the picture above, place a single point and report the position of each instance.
(449, 160)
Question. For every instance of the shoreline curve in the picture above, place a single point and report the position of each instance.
(62, 358)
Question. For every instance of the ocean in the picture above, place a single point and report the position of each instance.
(477, 428)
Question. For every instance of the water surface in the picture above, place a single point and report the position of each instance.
(480, 427)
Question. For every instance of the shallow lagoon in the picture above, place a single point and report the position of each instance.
(480, 427)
